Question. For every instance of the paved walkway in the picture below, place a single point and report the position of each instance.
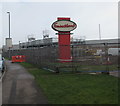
(19, 87)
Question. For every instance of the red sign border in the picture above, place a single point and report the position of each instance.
(63, 20)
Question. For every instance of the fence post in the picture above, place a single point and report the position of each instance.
(106, 58)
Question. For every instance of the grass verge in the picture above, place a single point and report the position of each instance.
(85, 68)
(76, 88)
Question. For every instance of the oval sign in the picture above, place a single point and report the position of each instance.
(64, 25)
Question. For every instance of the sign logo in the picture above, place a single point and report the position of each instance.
(64, 25)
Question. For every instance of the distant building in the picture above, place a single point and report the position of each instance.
(102, 41)
(51, 41)
(0, 50)
(14, 47)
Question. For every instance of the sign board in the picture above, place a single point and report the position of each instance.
(64, 25)
(9, 42)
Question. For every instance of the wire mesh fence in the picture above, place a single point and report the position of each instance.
(102, 57)
(96, 57)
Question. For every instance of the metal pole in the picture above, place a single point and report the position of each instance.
(107, 65)
(106, 58)
(9, 31)
(99, 32)
(9, 23)
(19, 45)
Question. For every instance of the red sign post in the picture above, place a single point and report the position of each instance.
(64, 26)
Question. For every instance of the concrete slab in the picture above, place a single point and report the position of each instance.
(115, 73)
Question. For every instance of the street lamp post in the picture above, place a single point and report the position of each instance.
(99, 32)
(9, 23)
(9, 31)
(19, 45)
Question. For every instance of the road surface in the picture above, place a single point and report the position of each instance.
(19, 87)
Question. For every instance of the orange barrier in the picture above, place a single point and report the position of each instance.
(18, 58)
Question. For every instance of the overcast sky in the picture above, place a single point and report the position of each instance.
(33, 17)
